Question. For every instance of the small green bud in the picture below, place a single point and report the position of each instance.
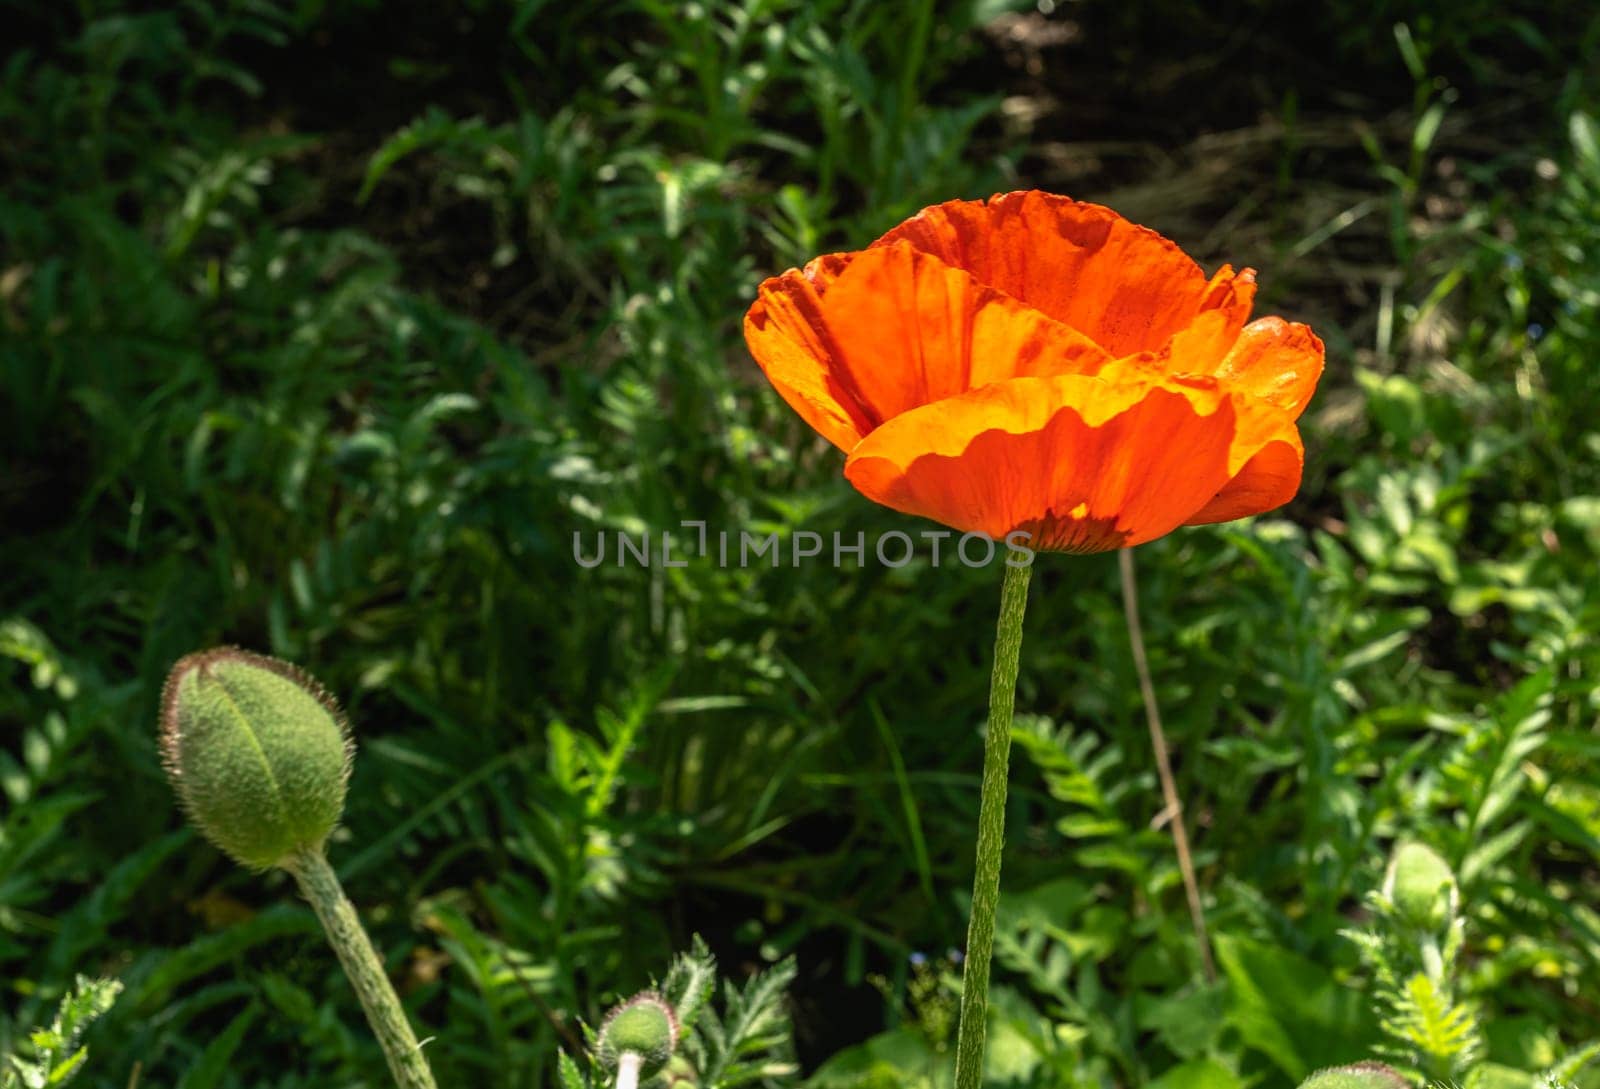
(1362, 1075)
(257, 752)
(1420, 886)
(644, 1026)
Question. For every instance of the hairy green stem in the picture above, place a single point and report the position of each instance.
(360, 961)
(991, 830)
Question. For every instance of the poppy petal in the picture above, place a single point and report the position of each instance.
(1200, 347)
(1123, 285)
(822, 271)
(1267, 481)
(1275, 360)
(1230, 290)
(853, 343)
(1082, 464)
(786, 334)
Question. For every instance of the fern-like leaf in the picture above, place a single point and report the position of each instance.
(1443, 1033)
(749, 1042)
(689, 983)
(58, 1054)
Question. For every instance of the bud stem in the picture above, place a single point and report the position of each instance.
(361, 964)
(991, 830)
(628, 1065)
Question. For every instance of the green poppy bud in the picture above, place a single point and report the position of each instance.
(1362, 1075)
(257, 752)
(638, 1037)
(1420, 886)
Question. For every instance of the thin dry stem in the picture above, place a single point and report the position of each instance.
(1158, 742)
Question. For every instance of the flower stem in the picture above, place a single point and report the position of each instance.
(991, 830)
(1158, 742)
(628, 1070)
(320, 885)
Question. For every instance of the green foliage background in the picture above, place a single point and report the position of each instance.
(327, 324)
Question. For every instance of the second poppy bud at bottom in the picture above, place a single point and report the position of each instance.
(640, 1034)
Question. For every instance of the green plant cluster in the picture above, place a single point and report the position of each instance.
(325, 326)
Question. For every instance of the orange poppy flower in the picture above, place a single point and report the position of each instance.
(1037, 364)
